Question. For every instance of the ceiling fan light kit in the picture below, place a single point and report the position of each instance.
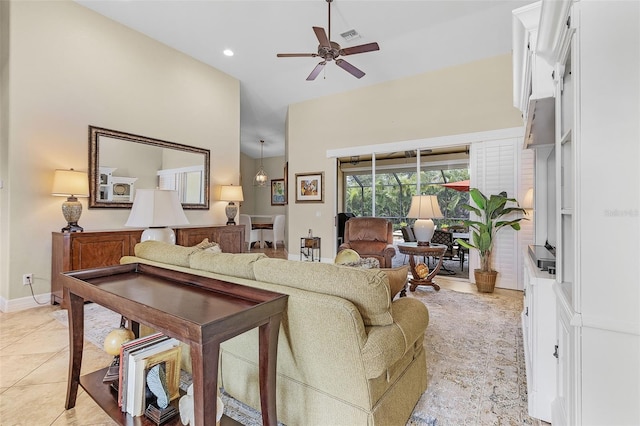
(330, 51)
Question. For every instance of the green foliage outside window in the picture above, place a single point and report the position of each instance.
(395, 189)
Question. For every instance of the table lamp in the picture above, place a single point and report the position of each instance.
(71, 184)
(231, 193)
(157, 210)
(424, 208)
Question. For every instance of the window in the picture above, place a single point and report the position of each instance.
(396, 180)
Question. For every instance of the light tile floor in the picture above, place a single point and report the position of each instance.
(34, 358)
(34, 362)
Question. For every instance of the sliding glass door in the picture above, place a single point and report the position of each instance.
(397, 179)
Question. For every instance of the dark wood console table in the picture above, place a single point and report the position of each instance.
(199, 311)
(95, 249)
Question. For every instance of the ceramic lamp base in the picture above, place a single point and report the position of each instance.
(159, 234)
(423, 231)
(231, 211)
(71, 210)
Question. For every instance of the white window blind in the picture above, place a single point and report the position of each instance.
(496, 166)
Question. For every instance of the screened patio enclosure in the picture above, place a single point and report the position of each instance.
(397, 178)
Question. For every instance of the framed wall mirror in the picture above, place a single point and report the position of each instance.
(120, 163)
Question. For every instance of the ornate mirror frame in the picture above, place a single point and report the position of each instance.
(96, 200)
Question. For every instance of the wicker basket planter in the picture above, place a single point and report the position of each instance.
(485, 281)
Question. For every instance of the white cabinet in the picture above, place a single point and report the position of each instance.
(566, 347)
(539, 336)
(533, 89)
(594, 48)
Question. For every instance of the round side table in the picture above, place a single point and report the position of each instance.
(413, 249)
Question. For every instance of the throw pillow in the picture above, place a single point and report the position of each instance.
(347, 256)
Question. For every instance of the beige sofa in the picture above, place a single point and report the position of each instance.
(347, 353)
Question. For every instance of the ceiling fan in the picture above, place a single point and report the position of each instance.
(331, 51)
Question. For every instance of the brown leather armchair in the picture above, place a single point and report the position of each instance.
(370, 237)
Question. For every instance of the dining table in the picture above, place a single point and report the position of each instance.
(261, 221)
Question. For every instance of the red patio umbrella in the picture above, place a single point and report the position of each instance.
(462, 186)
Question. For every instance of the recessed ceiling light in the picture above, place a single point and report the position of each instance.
(228, 52)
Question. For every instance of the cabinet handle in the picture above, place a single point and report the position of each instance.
(555, 352)
(526, 311)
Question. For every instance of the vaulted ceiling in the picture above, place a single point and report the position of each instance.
(414, 36)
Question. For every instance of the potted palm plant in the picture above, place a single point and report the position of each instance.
(491, 214)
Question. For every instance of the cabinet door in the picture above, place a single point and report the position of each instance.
(230, 237)
(98, 251)
(563, 351)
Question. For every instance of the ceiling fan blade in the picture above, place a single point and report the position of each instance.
(297, 55)
(322, 37)
(369, 47)
(349, 68)
(316, 71)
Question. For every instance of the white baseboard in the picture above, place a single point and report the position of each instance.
(23, 303)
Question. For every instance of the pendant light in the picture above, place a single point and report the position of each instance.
(261, 177)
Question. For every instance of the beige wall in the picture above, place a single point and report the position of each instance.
(469, 98)
(70, 68)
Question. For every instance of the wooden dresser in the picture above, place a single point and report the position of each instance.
(93, 249)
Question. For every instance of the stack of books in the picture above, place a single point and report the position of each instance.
(136, 358)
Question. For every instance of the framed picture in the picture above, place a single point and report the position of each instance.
(286, 183)
(278, 193)
(310, 187)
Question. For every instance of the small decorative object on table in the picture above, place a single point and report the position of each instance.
(186, 408)
(112, 344)
(422, 270)
(159, 411)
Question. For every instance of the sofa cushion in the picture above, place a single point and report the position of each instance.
(384, 348)
(233, 264)
(367, 289)
(165, 253)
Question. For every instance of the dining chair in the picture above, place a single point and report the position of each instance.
(277, 233)
(446, 238)
(250, 235)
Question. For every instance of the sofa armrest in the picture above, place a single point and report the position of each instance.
(386, 345)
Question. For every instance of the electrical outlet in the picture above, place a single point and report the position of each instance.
(27, 279)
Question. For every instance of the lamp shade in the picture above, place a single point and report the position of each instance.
(424, 207)
(155, 208)
(231, 193)
(70, 183)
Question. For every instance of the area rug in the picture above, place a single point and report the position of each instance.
(475, 360)
(98, 322)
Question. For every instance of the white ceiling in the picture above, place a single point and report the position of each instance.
(414, 36)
